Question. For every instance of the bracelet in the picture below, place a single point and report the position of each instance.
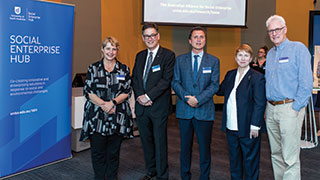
(114, 102)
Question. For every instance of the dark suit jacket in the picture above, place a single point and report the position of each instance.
(251, 100)
(158, 83)
(204, 88)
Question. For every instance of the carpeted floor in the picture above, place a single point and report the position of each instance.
(132, 163)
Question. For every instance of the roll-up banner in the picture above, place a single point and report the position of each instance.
(35, 76)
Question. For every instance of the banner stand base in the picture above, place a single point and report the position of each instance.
(15, 174)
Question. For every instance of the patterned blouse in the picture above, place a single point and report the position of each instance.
(107, 86)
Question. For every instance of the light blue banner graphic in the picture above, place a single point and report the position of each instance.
(35, 75)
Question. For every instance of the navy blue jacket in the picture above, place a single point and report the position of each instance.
(206, 85)
(251, 100)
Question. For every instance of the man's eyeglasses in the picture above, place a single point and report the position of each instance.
(152, 36)
(260, 51)
(277, 30)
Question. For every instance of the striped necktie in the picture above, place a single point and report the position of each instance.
(149, 62)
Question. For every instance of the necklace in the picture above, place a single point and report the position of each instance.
(109, 66)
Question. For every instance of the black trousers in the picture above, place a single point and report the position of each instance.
(317, 104)
(105, 152)
(153, 134)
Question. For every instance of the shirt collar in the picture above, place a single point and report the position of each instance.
(282, 45)
(200, 54)
(154, 52)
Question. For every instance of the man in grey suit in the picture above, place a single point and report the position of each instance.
(195, 81)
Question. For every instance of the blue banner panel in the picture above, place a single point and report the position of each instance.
(35, 75)
(316, 30)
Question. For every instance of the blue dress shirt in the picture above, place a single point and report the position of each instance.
(288, 74)
(199, 59)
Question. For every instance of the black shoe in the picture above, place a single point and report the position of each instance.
(147, 177)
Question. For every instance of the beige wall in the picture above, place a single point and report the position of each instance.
(87, 34)
(296, 14)
(122, 19)
(257, 14)
(222, 43)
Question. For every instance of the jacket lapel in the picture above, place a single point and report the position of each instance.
(156, 61)
(188, 64)
(202, 64)
(157, 58)
(141, 67)
(232, 81)
(245, 80)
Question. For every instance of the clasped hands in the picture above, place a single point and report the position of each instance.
(108, 107)
(192, 101)
(144, 101)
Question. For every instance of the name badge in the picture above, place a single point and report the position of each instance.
(120, 77)
(155, 68)
(206, 70)
(283, 59)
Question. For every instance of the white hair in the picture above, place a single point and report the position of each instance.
(275, 18)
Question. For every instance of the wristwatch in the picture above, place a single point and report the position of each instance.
(114, 102)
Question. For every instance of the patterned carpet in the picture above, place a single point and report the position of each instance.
(132, 163)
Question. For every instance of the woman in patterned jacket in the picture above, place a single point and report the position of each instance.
(107, 115)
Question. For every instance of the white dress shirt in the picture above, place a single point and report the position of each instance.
(154, 53)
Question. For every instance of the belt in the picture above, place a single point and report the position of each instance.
(281, 102)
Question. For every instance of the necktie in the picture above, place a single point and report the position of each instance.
(149, 62)
(195, 67)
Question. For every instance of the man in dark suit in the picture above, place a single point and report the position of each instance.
(151, 77)
(244, 105)
(195, 81)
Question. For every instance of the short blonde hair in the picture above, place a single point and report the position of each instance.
(112, 40)
(246, 48)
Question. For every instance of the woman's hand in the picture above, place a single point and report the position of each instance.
(107, 106)
(112, 111)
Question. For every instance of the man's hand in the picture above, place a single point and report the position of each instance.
(254, 133)
(149, 103)
(192, 101)
(144, 101)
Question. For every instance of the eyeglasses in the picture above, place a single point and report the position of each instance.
(277, 30)
(152, 36)
(260, 51)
